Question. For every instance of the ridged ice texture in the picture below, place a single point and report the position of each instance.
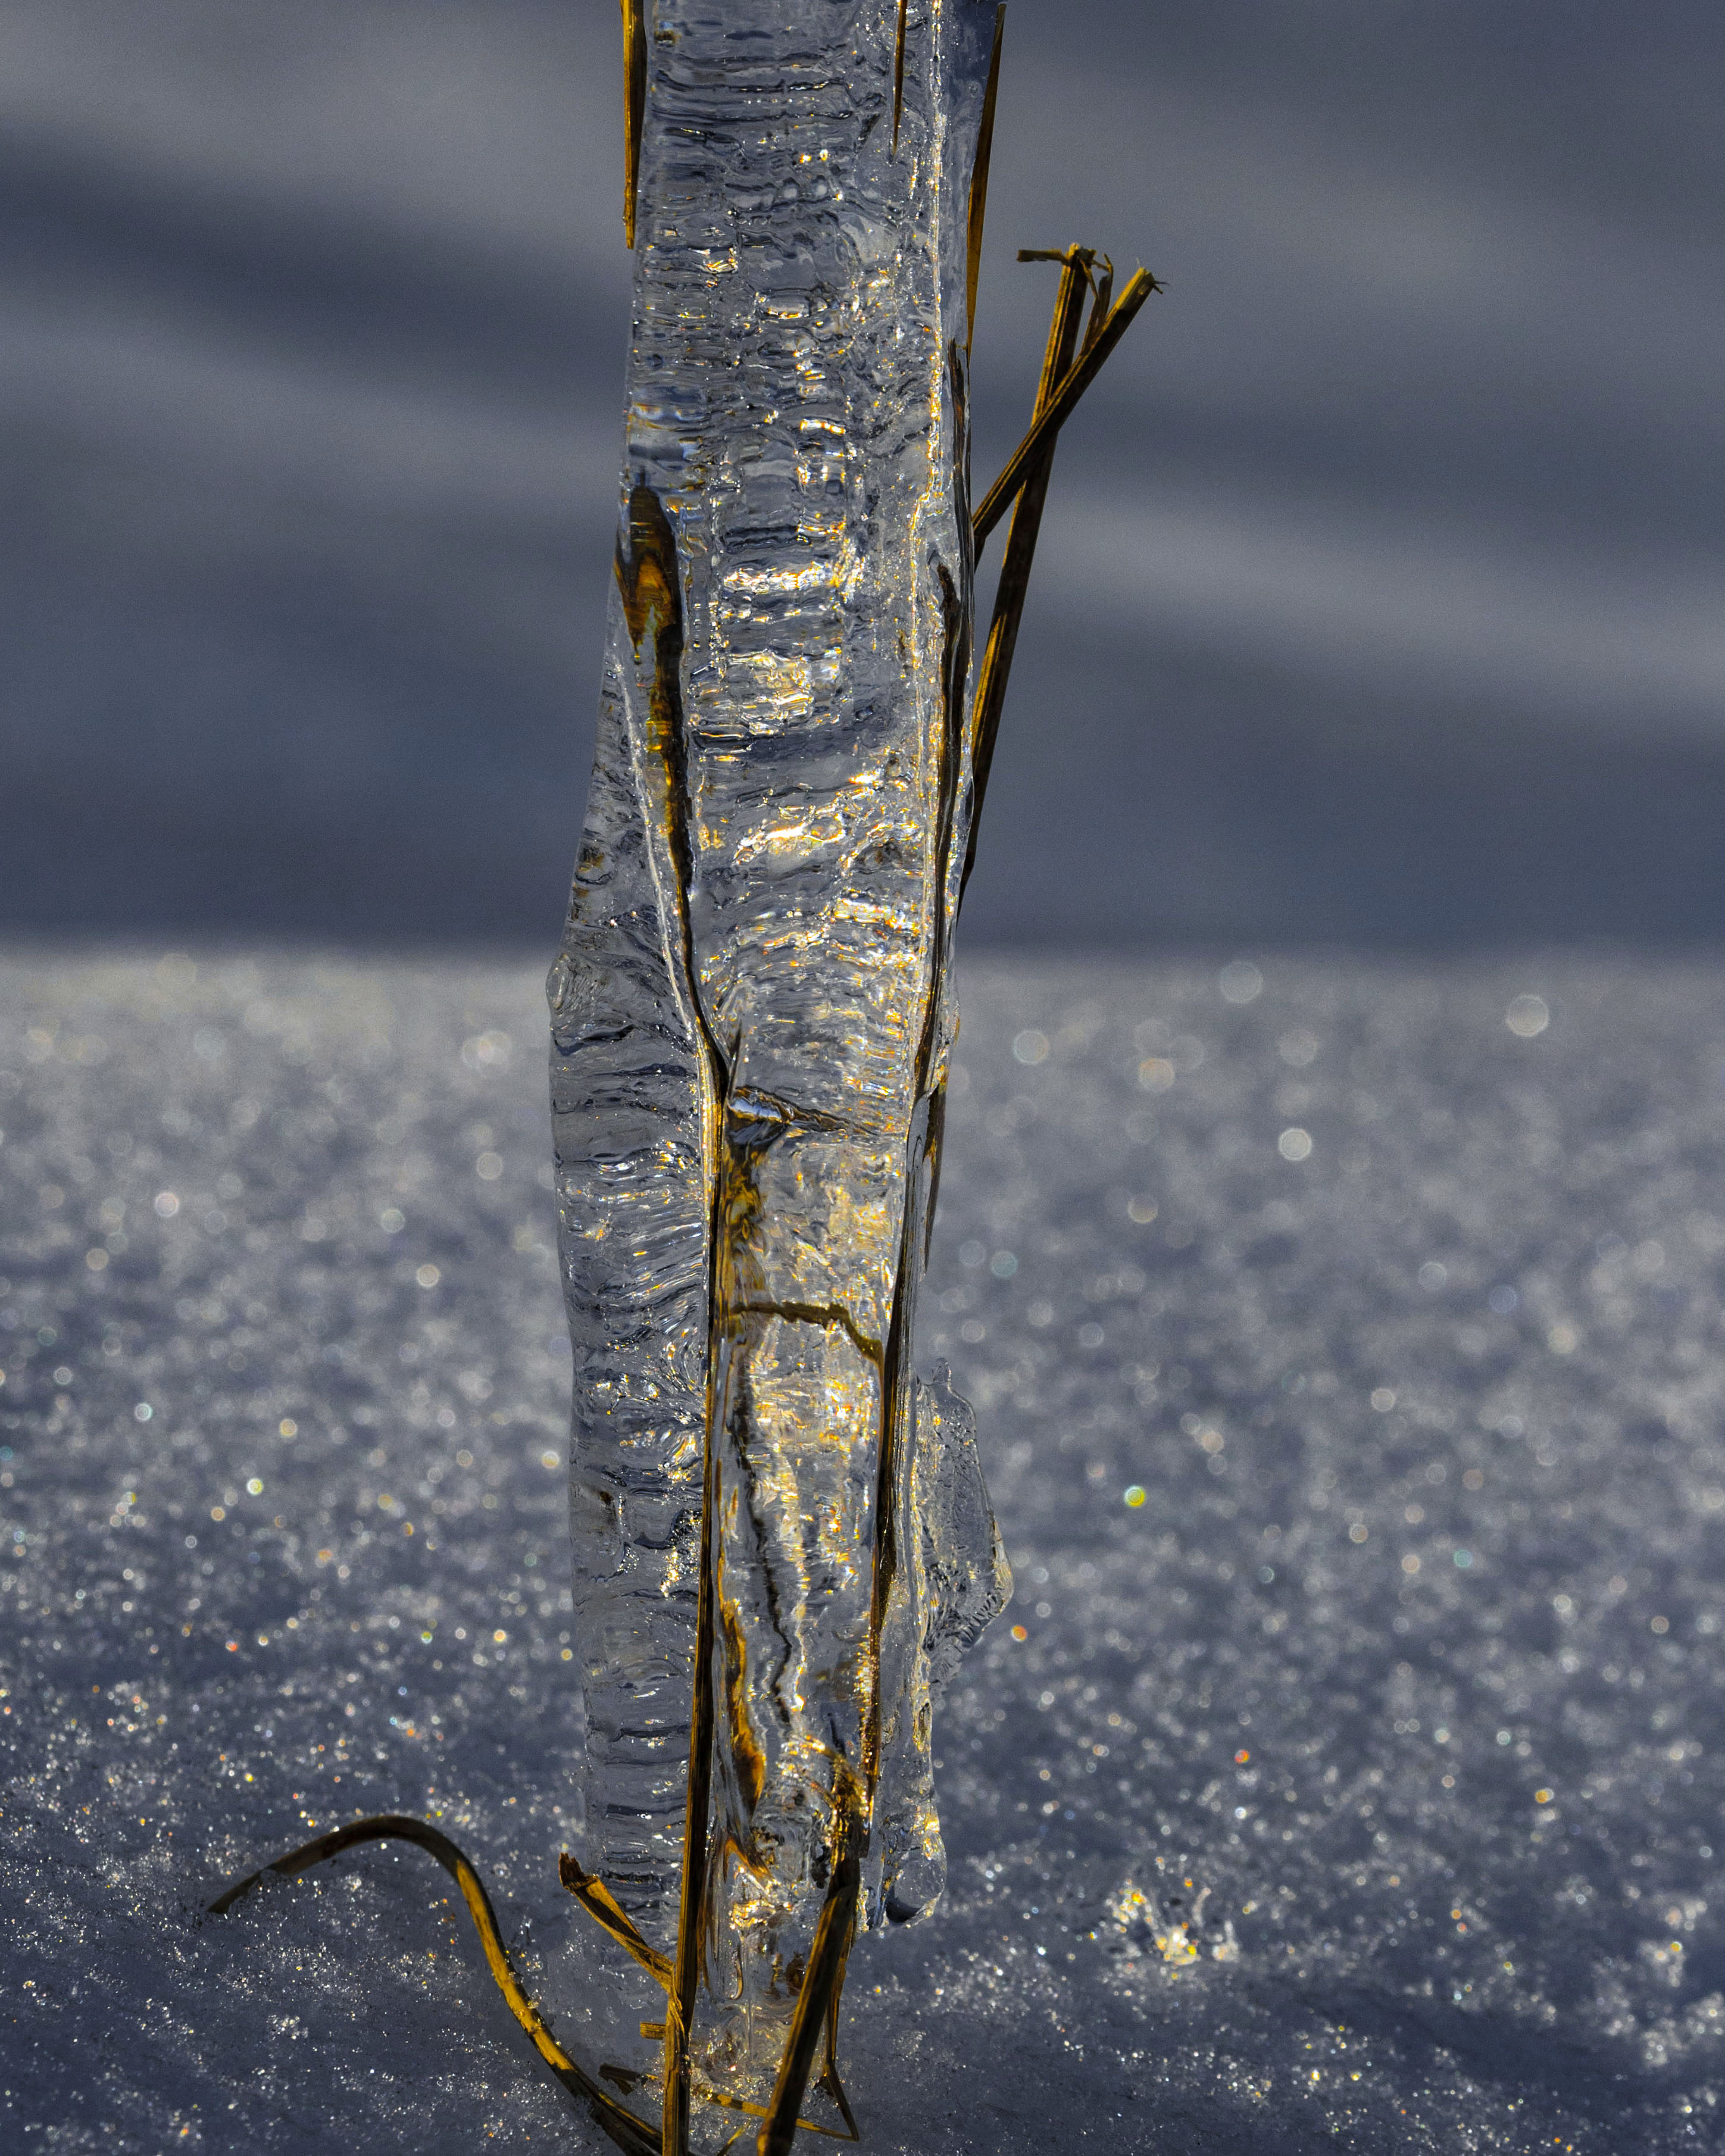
(750, 1011)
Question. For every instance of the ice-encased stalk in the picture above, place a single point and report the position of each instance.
(782, 1538)
(775, 1525)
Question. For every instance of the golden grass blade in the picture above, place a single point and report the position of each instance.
(691, 1907)
(634, 108)
(829, 2083)
(650, 579)
(1101, 302)
(1075, 263)
(898, 71)
(706, 2090)
(979, 180)
(1014, 580)
(603, 1908)
(1060, 406)
(632, 2134)
(820, 1983)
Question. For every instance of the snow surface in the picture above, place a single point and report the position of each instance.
(1249, 1851)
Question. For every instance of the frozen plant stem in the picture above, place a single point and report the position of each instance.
(780, 1528)
(752, 1013)
(782, 1541)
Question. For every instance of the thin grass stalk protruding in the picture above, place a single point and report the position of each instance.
(898, 71)
(601, 1905)
(691, 1904)
(1062, 404)
(817, 2001)
(1014, 580)
(635, 109)
(979, 181)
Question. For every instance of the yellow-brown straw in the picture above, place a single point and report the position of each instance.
(898, 71)
(634, 108)
(979, 181)
(1060, 406)
(631, 2133)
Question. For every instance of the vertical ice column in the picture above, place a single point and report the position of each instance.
(750, 1010)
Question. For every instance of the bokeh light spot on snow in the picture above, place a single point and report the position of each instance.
(1240, 982)
(1527, 1017)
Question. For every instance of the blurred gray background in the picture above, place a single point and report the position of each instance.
(1379, 602)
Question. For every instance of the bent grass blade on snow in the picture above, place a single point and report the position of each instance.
(631, 2133)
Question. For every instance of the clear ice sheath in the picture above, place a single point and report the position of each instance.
(752, 1006)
